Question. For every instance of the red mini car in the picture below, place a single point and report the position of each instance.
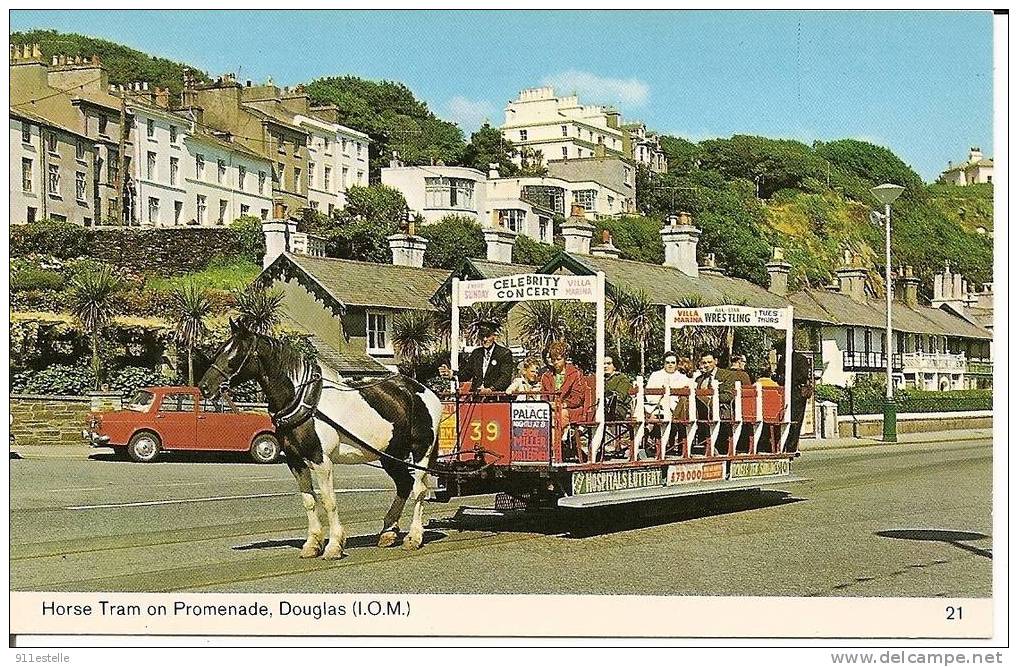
(180, 419)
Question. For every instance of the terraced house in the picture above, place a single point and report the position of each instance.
(261, 119)
(64, 140)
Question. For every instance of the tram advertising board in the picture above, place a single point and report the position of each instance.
(531, 431)
(763, 468)
(484, 425)
(689, 473)
(595, 481)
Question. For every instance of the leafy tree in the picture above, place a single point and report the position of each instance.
(874, 164)
(680, 153)
(773, 164)
(360, 230)
(259, 309)
(451, 240)
(124, 64)
(488, 146)
(393, 117)
(638, 237)
(542, 322)
(532, 162)
(193, 307)
(528, 251)
(93, 302)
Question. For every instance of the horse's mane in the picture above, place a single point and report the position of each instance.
(290, 359)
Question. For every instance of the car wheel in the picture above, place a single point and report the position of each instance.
(265, 449)
(144, 447)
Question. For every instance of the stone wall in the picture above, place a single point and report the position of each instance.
(55, 420)
(872, 426)
(164, 251)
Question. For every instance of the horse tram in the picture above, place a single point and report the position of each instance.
(523, 448)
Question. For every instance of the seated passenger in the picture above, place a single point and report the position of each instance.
(564, 380)
(489, 367)
(669, 377)
(526, 385)
(616, 391)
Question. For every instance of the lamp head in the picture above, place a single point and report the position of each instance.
(886, 193)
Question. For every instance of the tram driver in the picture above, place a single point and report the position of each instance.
(489, 368)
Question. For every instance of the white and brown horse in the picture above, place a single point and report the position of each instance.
(323, 419)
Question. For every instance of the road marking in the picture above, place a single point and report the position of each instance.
(180, 501)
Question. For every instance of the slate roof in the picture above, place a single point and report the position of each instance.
(366, 284)
(25, 114)
(837, 308)
(666, 285)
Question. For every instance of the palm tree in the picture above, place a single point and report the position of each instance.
(542, 322)
(93, 296)
(641, 316)
(259, 308)
(696, 339)
(413, 336)
(193, 307)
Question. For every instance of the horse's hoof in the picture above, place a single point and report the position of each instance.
(413, 542)
(333, 553)
(311, 550)
(388, 538)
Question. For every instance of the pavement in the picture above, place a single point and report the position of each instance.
(82, 450)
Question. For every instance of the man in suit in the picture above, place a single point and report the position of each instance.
(726, 394)
(489, 367)
(802, 389)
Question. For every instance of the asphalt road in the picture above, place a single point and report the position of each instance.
(869, 522)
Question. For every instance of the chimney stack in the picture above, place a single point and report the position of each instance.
(852, 277)
(577, 232)
(408, 249)
(710, 266)
(777, 273)
(499, 242)
(606, 248)
(680, 238)
(493, 170)
(908, 287)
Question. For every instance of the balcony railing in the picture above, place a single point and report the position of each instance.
(929, 362)
(869, 361)
(980, 368)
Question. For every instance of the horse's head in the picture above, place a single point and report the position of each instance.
(234, 362)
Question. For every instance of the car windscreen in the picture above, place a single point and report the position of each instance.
(141, 401)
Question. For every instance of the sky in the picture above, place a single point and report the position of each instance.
(919, 83)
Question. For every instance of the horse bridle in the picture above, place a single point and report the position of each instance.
(228, 377)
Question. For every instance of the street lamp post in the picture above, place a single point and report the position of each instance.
(886, 194)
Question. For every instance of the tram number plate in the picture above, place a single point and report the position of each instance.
(689, 473)
(616, 480)
(765, 468)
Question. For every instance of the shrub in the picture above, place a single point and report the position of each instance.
(55, 380)
(250, 238)
(129, 379)
(49, 237)
(35, 278)
(528, 251)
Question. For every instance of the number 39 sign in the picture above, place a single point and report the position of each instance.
(484, 426)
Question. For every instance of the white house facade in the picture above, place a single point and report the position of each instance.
(562, 128)
(977, 169)
(337, 160)
(524, 205)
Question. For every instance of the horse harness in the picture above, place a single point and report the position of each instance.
(304, 406)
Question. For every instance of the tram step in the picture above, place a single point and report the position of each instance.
(605, 498)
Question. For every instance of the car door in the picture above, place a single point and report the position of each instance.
(176, 421)
(217, 426)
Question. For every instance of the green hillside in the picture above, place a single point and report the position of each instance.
(124, 64)
(747, 193)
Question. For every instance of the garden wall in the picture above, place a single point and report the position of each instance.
(55, 420)
(162, 251)
(870, 426)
